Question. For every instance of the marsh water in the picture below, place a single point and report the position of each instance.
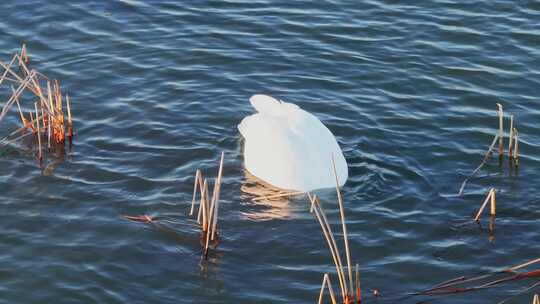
(157, 90)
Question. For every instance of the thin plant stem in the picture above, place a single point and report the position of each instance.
(344, 226)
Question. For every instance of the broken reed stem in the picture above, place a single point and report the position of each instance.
(17, 77)
(358, 290)
(343, 224)
(516, 147)
(208, 209)
(70, 122)
(15, 95)
(204, 207)
(510, 137)
(448, 286)
(24, 55)
(38, 131)
(204, 196)
(220, 173)
(23, 120)
(321, 293)
(197, 176)
(501, 130)
(326, 283)
(493, 210)
(68, 109)
(523, 265)
(49, 120)
(7, 68)
(486, 158)
(536, 299)
(488, 198)
(330, 240)
(4, 141)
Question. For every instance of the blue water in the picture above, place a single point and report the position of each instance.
(157, 90)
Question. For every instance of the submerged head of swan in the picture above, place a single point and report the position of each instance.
(290, 148)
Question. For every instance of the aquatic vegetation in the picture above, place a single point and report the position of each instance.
(207, 215)
(484, 281)
(345, 281)
(513, 150)
(45, 119)
(489, 198)
(140, 218)
(326, 283)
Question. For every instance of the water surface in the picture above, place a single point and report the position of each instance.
(158, 90)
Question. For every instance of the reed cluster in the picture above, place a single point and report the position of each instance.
(45, 119)
(513, 140)
(349, 293)
(513, 146)
(207, 215)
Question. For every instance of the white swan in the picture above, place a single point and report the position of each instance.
(290, 148)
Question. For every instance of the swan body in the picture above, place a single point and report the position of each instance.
(290, 148)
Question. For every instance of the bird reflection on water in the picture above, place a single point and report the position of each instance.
(267, 202)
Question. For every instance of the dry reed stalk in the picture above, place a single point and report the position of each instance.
(17, 78)
(27, 73)
(488, 198)
(49, 120)
(510, 137)
(516, 147)
(448, 286)
(449, 289)
(4, 141)
(42, 114)
(536, 299)
(140, 218)
(23, 120)
(220, 173)
(204, 197)
(24, 55)
(68, 109)
(38, 132)
(50, 101)
(523, 265)
(70, 122)
(211, 216)
(197, 177)
(326, 283)
(357, 286)
(7, 68)
(344, 226)
(493, 210)
(15, 95)
(204, 207)
(32, 121)
(330, 240)
(57, 95)
(486, 158)
(29, 124)
(501, 129)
